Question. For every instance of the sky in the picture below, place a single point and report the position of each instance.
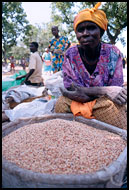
(37, 12)
(40, 12)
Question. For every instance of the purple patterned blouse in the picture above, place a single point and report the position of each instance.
(108, 71)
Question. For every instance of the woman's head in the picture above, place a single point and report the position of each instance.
(88, 34)
(55, 30)
(93, 15)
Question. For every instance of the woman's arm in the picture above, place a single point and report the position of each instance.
(82, 94)
(115, 93)
(113, 90)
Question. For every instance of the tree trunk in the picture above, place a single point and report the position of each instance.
(3, 53)
(111, 37)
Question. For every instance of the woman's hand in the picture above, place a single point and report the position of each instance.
(58, 51)
(77, 94)
(117, 94)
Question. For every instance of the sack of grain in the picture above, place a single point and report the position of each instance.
(61, 151)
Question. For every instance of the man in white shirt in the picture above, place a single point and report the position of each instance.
(34, 77)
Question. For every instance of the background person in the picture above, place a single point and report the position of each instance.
(12, 64)
(23, 63)
(34, 77)
(47, 61)
(59, 45)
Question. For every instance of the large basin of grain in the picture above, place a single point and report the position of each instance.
(59, 147)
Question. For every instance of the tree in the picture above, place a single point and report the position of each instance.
(13, 24)
(116, 13)
(20, 51)
(40, 34)
(65, 15)
(30, 34)
(117, 19)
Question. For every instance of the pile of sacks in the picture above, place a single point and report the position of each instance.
(31, 101)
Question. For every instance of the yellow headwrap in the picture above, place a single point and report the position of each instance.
(94, 15)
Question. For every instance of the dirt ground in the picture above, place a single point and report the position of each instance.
(17, 69)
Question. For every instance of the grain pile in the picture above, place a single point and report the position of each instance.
(62, 147)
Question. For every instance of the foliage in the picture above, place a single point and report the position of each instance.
(13, 24)
(41, 34)
(116, 13)
(65, 15)
(19, 51)
(117, 16)
(30, 35)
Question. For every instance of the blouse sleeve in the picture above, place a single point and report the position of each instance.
(67, 41)
(50, 44)
(69, 75)
(116, 68)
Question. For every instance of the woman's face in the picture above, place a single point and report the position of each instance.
(55, 31)
(88, 34)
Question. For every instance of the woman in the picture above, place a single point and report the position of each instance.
(47, 57)
(93, 73)
(58, 45)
